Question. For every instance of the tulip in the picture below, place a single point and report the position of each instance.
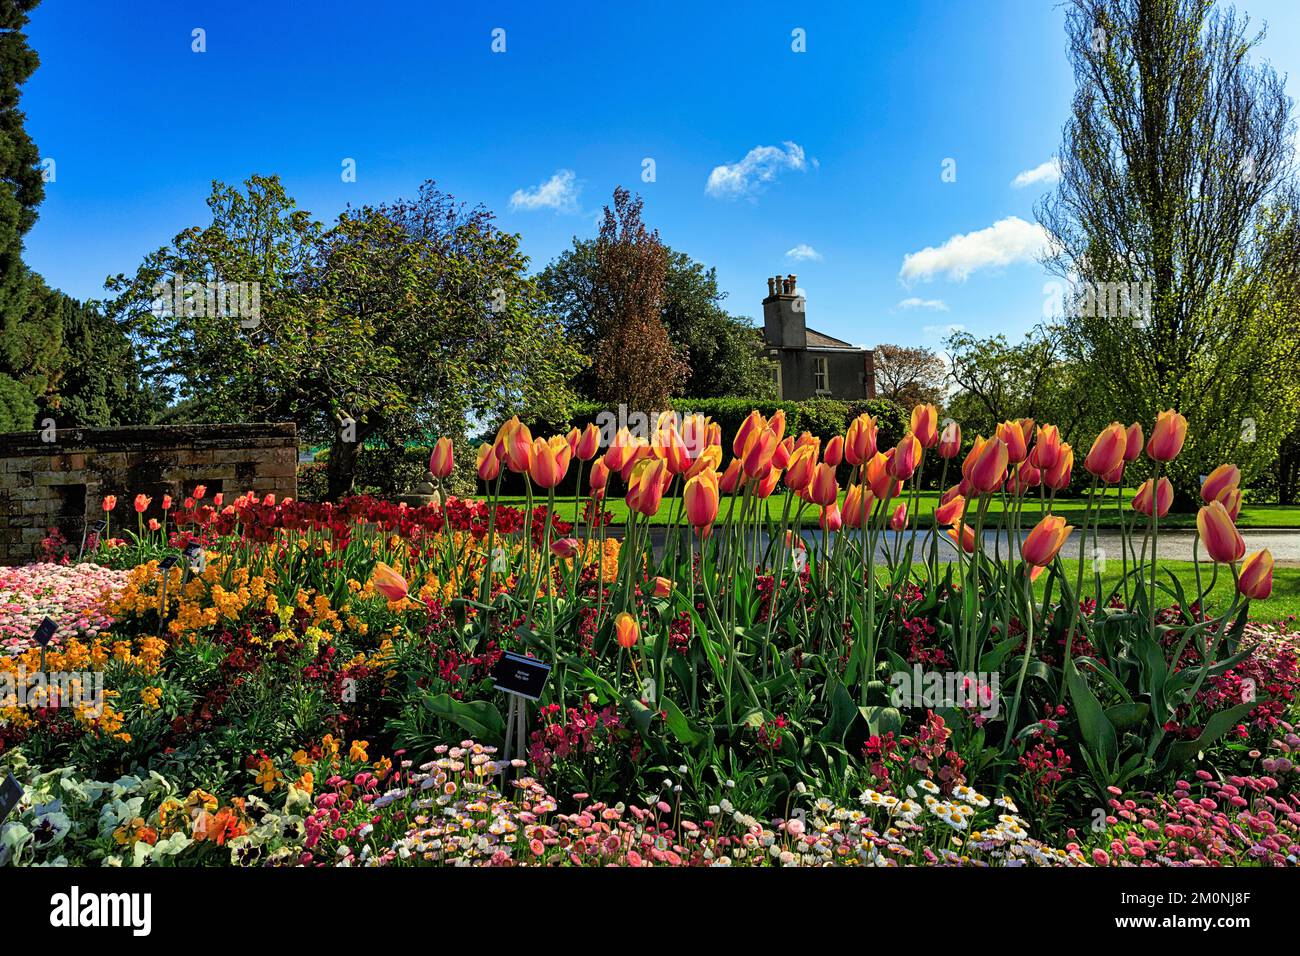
(925, 425)
(216, 499)
(389, 583)
(519, 448)
(1223, 542)
(1132, 442)
(674, 451)
(757, 459)
(585, 448)
(834, 451)
(1107, 450)
(1044, 541)
(1164, 497)
(1047, 448)
(167, 503)
(1015, 440)
(781, 457)
(1231, 501)
(730, 478)
(489, 465)
(142, 503)
(830, 518)
(988, 470)
(753, 423)
(617, 453)
(857, 506)
(963, 536)
(1115, 475)
(599, 476)
(824, 489)
(1167, 437)
(1256, 578)
(1058, 476)
(701, 501)
(860, 440)
(1027, 476)
(153, 524)
(550, 461)
(710, 460)
(898, 520)
(646, 487)
(764, 487)
(440, 461)
(883, 485)
(199, 491)
(564, 547)
(626, 630)
(902, 464)
(777, 424)
(1222, 479)
(950, 441)
(950, 510)
(662, 587)
(799, 472)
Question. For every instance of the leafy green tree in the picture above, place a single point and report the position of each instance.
(17, 407)
(1175, 152)
(398, 322)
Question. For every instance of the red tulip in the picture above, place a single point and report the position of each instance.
(752, 424)
(142, 503)
(963, 536)
(757, 458)
(950, 510)
(1058, 476)
(857, 506)
(588, 443)
(883, 484)
(1167, 437)
(1015, 440)
(1231, 501)
(564, 547)
(701, 501)
(898, 520)
(550, 461)
(834, 451)
(902, 464)
(199, 491)
(730, 479)
(831, 519)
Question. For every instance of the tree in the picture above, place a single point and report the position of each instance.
(1175, 150)
(909, 375)
(397, 323)
(724, 352)
(635, 361)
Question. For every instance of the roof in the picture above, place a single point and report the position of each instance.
(817, 340)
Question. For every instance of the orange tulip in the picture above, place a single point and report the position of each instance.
(588, 443)
(670, 447)
(963, 536)
(1223, 542)
(701, 501)
(109, 502)
(950, 510)
(662, 587)
(1164, 497)
(777, 424)
(990, 467)
(710, 460)
(550, 461)
(1047, 448)
(1045, 540)
(1231, 501)
(142, 503)
(199, 491)
(764, 486)
(1256, 578)
(857, 506)
(1167, 437)
(519, 448)
(1107, 451)
(1222, 479)
(1133, 442)
(1027, 477)
(730, 478)
(646, 486)
(388, 582)
(799, 472)
(950, 441)
(757, 459)
(883, 484)
(925, 425)
(440, 460)
(860, 441)
(824, 489)
(626, 631)
(830, 518)
(781, 457)
(753, 423)
(1015, 440)
(834, 451)
(907, 454)
(489, 465)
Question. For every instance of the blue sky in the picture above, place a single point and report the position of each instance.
(828, 163)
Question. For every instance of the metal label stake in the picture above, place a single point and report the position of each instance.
(522, 679)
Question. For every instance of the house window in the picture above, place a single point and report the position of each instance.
(775, 372)
(821, 376)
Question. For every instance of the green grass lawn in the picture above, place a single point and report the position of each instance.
(1252, 516)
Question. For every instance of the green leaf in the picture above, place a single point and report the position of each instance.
(478, 718)
(1098, 734)
(1218, 725)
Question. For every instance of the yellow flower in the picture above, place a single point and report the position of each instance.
(268, 776)
(358, 751)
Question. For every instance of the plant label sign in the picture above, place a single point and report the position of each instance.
(11, 791)
(519, 675)
(45, 631)
(96, 527)
(167, 563)
(196, 556)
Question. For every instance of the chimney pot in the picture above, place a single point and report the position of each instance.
(771, 286)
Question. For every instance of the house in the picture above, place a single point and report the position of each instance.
(810, 364)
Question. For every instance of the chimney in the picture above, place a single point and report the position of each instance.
(783, 315)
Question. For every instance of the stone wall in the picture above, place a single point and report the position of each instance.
(61, 483)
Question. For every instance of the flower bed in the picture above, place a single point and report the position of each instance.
(74, 596)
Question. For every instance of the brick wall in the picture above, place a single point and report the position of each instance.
(61, 483)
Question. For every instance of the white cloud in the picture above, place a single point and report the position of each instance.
(941, 332)
(1048, 172)
(560, 193)
(934, 305)
(802, 252)
(760, 166)
(1005, 242)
